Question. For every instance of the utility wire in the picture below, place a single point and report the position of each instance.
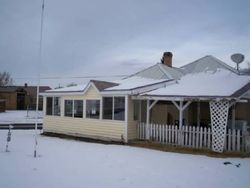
(69, 77)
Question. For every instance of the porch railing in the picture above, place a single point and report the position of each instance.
(189, 136)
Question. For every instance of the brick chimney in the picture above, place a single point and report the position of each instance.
(167, 59)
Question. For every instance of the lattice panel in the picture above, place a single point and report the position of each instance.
(219, 117)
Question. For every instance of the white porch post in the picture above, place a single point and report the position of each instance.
(139, 111)
(181, 108)
(149, 107)
(126, 120)
(180, 114)
(147, 121)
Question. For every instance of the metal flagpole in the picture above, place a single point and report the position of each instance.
(38, 79)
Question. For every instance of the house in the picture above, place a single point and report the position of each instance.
(21, 97)
(160, 94)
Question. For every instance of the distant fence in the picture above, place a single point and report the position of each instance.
(21, 126)
(189, 136)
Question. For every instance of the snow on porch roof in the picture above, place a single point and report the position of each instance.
(221, 83)
(68, 89)
(134, 82)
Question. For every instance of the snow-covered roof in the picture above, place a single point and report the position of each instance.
(210, 83)
(134, 82)
(207, 63)
(160, 71)
(77, 88)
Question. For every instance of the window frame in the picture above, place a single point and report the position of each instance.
(73, 108)
(113, 107)
(86, 110)
(72, 102)
(53, 106)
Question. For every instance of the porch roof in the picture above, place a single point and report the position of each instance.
(203, 86)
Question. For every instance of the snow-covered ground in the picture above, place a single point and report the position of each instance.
(20, 117)
(67, 163)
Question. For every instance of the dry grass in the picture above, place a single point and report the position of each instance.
(156, 146)
(178, 149)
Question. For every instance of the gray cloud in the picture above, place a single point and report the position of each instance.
(117, 37)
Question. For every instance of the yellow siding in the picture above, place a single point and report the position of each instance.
(100, 129)
(92, 93)
(131, 123)
(85, 127)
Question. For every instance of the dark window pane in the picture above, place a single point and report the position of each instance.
(49, 105)
(93, 109)
(56, 106)
(107, 107)
(78, 108)
(119, 111)
(68, 108)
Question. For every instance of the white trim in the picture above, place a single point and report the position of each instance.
(147, 120)
(126, 119)
(88, 86)
(60, 94)
(181, 108)
(113, 107)
(185, 98)
(101, 109)
(84, 109)
(152, 105)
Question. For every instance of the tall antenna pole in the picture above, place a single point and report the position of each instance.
(38, 78)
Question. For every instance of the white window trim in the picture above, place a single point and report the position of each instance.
(53, 104)
(73, 108)
(100, 109)
(113, 108)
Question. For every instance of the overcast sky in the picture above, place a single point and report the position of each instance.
(116, 37)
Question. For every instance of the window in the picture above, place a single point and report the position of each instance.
(107, 108)
(49, 102)
(119, 108)
(56, 105)
(114, 108)
(93, 109)
(73, 108)
(53, 106)
(68, 108)
(78, 108)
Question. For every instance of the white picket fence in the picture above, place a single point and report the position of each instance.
(188, 136)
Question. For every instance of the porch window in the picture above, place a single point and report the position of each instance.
(49, 102)
(113, 108)
(93, 109)
(119, 108)
(53, 106)
(107, 107)
(78, 108)
(56, 104)
(68, 108)
(73, 108)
